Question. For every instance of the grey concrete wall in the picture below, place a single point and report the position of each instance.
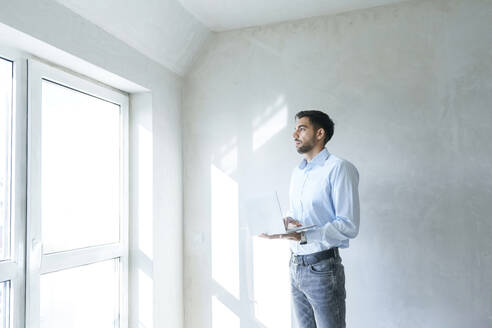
(410, 89)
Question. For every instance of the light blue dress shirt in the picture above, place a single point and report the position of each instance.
(324, 192)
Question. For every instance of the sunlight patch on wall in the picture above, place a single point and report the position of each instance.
(269, 123)
(145, 300)
(222, 316)
(224, 231)
(228, 154)
(271, 282)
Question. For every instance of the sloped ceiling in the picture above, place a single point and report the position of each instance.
(222, 15)
(160, 29)
(172, 31)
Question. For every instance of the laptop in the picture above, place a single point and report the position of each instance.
(265, 215)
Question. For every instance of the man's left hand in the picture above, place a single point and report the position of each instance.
(289, 236)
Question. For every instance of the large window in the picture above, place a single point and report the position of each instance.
(80, 169)
(6, 90)
(77, 236)
(12, 195)
(63, 198)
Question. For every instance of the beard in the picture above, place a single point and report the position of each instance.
(306, 147)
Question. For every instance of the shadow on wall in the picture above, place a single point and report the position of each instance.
(250, 278)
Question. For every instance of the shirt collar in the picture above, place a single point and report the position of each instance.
(319, 159)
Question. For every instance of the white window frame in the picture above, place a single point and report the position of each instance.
(38, 263)
(13, 269)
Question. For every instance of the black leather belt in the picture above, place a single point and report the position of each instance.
(310, 259)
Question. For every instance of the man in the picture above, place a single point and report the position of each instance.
(323, 192)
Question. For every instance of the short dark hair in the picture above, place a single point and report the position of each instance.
(319, 120)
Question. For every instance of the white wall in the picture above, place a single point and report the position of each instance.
(161, 29)
(60, 28)
(141, 293)
(409, 87)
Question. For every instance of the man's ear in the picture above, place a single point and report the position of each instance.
(320, 134)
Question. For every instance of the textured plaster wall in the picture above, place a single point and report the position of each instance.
(410, 89)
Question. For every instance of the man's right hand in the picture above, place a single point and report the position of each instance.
(290, 223)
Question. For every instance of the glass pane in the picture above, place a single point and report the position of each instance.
(80, 169)
(86, 296)
(4, 304)
(5, 125)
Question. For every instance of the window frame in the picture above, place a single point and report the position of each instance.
(13, 269)
(38, 263)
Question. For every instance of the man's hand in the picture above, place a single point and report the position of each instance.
(289, 223)
(290, 236)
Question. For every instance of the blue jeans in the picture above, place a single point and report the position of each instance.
(318, 292)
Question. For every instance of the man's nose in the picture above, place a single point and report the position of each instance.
(294, 135)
